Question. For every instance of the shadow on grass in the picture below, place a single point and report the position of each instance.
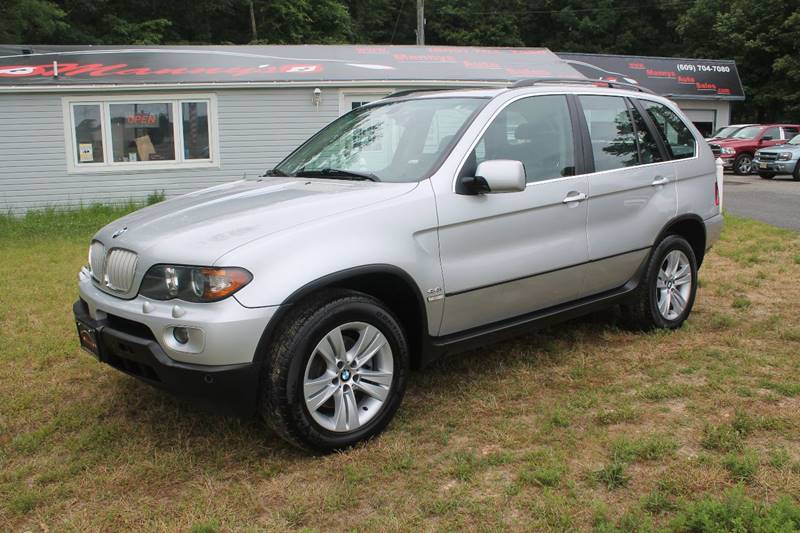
(165, 421)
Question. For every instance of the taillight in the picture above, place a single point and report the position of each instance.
(716, 194)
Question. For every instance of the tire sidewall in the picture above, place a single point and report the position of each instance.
(670, 243)
(318, 325)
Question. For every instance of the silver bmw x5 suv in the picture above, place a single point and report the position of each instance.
(412, 227)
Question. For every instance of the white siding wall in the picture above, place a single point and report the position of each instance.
(257, 128)
(722, 109)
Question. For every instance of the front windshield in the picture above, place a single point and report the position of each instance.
(396, 141)
(750, 132)
(795, 140)
(727, 131)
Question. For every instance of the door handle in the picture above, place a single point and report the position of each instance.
(574, 196)
(660, 180)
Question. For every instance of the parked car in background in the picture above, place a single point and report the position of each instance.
(412, 227)
(726, 132)
(737, 151)
(781, 159)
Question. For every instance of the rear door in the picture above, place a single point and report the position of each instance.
(505, 255)
(632, 191)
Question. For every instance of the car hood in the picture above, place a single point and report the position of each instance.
(200, 227)
(733, 143)
(780, 147)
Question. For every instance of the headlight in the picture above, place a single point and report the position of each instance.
(726, 150)
(785, 156)
(193, 284)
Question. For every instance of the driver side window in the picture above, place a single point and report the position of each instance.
(536, 131)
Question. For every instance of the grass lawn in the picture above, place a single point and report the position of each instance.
(581, 426)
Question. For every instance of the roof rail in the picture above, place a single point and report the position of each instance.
(406, 92)
(529, 82)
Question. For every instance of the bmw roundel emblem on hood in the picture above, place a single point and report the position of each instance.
(119, 232)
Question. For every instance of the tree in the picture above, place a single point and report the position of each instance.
(30, 21)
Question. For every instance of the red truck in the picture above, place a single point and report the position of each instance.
(737, 152)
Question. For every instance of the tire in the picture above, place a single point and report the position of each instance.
(645, 309)
(796, 173)
(766, 175)
(303, 368)
(743, 164)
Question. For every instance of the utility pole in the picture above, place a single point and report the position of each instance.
(253, 21)
(420, 22)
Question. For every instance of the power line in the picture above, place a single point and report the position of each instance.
(396, 20)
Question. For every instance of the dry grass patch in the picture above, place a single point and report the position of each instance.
(580, 426)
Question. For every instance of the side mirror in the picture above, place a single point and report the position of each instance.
(496, 176)
(765, 138)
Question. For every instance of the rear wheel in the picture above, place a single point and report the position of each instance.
(743, 164)
(666, 294)
(766, 175)
(336, 371)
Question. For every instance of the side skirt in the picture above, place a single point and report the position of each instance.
(437, 347)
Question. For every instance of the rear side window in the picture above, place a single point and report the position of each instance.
(537, 131)
(789, 133)
(648, 147)
(611, 132)
(677, 136)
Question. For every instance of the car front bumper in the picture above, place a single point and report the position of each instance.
(221, 388)
(217, 367)
(774, 166)
(727, 161)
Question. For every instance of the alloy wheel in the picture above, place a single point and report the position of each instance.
(673, 284)
(745, 165)
(348, 377)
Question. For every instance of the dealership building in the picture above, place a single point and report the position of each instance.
(83, 125)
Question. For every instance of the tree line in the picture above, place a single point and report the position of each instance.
(763, 36)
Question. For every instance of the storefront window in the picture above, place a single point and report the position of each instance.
(88, 134)
(195, 130)
(142, 132)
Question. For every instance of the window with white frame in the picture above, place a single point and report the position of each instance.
(120, 132)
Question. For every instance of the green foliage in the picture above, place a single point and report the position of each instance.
(736, 512)
(763, 36)
(742, 467)
(49, 223)
(643, 449)
(612, 475)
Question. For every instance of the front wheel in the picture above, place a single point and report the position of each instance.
(666, 294)
(336, 371)
(743, 164)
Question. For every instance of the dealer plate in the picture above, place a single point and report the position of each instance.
(763, 165)
(88, 338)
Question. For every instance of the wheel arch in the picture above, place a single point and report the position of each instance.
(690, 227)
(390, 284)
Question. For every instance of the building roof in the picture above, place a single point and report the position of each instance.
(701, 79)
(58, 68)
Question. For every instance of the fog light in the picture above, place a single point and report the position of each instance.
(181, 335)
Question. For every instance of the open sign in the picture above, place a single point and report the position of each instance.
(141, 120)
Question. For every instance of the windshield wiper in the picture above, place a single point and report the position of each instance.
(338, 173)
(275, 172)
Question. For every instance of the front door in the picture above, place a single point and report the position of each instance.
(505, 255)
